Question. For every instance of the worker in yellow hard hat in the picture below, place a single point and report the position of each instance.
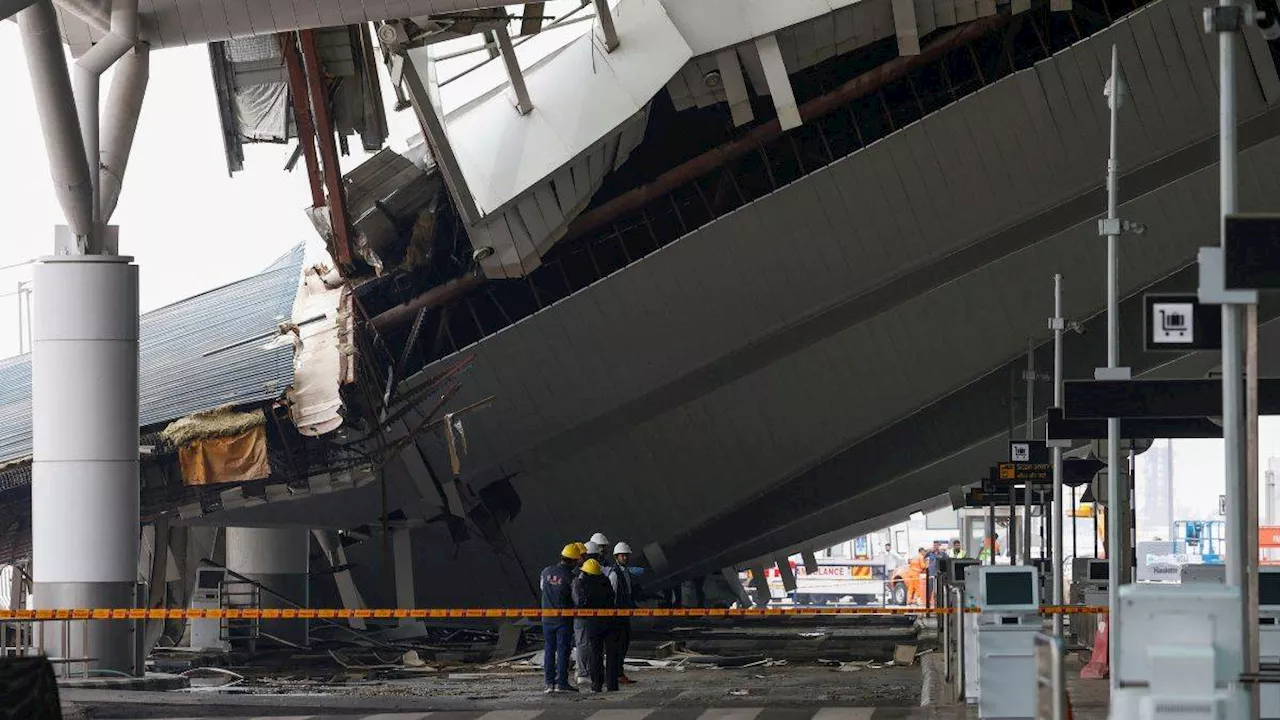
(590, 551)
(557, 632)
(592, 591)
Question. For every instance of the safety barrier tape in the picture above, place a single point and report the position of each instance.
(490, 613)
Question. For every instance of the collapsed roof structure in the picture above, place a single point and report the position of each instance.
(726, 277)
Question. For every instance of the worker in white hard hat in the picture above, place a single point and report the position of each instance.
(626, 591)
(606, 557)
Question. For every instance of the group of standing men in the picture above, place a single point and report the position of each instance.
(588, 577)
(930, 560)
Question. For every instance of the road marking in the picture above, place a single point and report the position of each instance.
(397, 716)
(620, 715)
(510, 715)
(844, 714)
(730, 714)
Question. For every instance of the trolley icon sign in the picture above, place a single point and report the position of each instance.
(1173, 323)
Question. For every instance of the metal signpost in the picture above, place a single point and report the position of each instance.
(1228, 20)
(1030, 377)
(1111, 228)
(1057, 324)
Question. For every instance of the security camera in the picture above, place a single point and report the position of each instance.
(482, 253)
(1267, 18)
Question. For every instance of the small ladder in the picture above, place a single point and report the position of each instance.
(240, 632)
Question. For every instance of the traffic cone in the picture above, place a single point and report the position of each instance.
(1097, 668)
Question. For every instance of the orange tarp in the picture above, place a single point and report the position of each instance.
(235, 458)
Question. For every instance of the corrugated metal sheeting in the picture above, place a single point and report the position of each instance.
(750, 350)
(196, 354)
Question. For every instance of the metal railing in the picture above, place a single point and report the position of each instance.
(29, 640)
(1051, 678)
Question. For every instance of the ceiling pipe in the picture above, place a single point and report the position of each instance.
(86, 81)
(51, 85)
(713, 159)
(124, 105)
(405, 313)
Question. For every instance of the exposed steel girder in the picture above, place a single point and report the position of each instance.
(298, 94)
(319, 92)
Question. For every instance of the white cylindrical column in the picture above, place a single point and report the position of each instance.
(84, 492)
(279, 559)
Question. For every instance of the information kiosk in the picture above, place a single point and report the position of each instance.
(1181, 654)
(1089, 589)
(206, 634)
(1009, 596)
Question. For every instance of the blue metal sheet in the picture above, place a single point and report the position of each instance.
(196, 354)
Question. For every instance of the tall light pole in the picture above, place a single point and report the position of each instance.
(1112, 227)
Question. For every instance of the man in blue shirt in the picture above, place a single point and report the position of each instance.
(556, 583)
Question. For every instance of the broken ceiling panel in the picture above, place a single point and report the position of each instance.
(393, 200)
(322, 319)
(252, 89)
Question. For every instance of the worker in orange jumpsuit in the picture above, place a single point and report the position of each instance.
(916, 576)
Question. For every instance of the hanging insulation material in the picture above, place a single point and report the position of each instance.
(221, 446)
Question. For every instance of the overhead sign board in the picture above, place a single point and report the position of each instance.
(1251, 252)
(991, 495)
(1060, 428)
(1028, 451)
(1023, 472)
(1092, 399)
(1179, 323)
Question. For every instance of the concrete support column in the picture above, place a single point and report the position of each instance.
(84, 493)
(279, 558)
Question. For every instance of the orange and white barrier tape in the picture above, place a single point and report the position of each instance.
(492, 613)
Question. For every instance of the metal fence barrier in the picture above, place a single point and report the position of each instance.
(28, 636)
(1051, 678)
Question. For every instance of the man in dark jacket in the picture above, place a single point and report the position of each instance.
(592, 591)
(557, 632)
(591, 550)
(932, 579)
(626, 591)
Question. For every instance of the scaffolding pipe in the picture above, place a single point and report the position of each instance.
(124, 105)
(51, 85)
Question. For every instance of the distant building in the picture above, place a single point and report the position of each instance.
(1154, 501)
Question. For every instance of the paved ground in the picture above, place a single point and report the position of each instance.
(801, 691)
(653, 714)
